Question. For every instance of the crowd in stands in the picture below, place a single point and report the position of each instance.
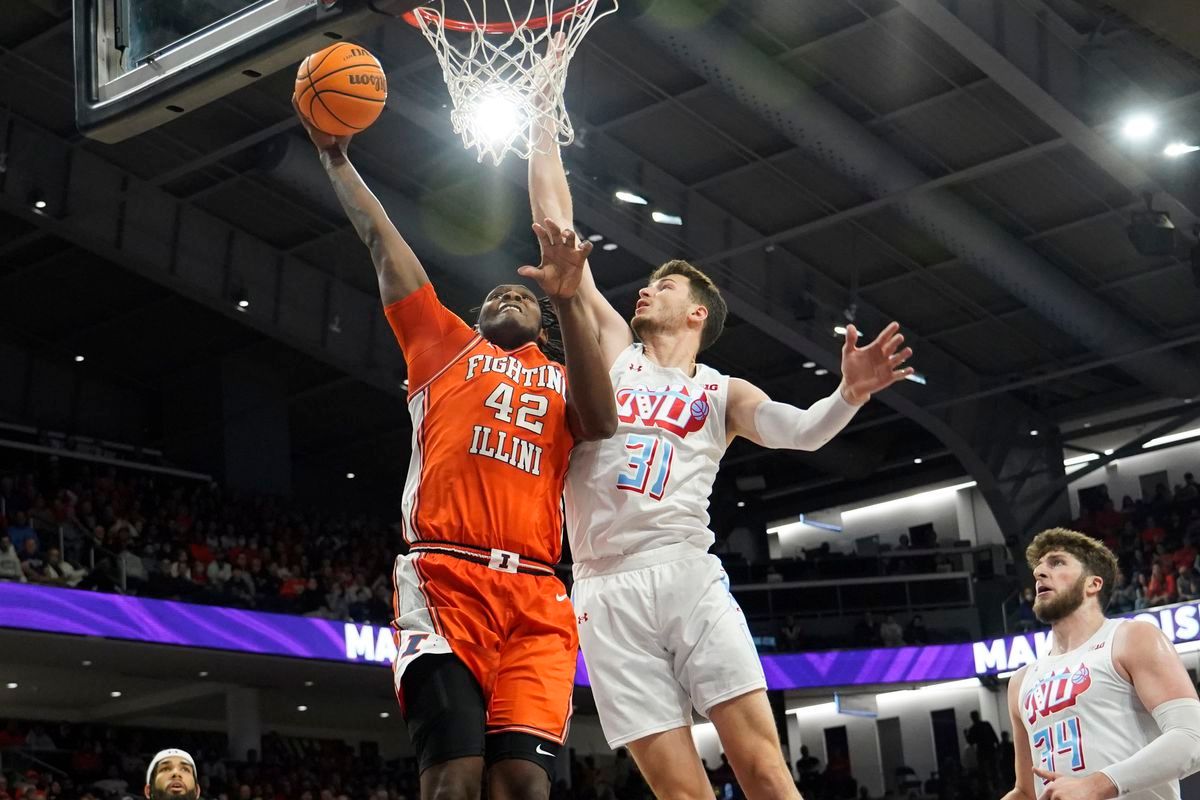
(1157, 542)
(134, 532)
(70, 524)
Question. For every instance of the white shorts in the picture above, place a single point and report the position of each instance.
(661, 634)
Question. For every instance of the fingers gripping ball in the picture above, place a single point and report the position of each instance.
(341, 89)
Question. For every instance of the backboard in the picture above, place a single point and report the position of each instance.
(141, 63)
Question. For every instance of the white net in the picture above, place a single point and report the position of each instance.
(506, 71)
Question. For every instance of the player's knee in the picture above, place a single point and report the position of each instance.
(450, 784)
(765, 775)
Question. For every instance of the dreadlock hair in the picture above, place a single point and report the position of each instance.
(552, 348)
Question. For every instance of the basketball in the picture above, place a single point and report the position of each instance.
(341, 89)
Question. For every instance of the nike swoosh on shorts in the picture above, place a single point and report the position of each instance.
(542, 752)
(560, 597)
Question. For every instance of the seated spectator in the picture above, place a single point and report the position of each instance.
(59, 572)
(219, 571)
(916, 632)
(1186, 585)
(866, 632)
(1185, 556)
(1152, 534)
(10, 562)
(136, 575)
(890, 632)
(31, 560)
(19, 530)
(1141, 591)
(789, 634)
(38, 739)
(1124, 596)
(1160, 589)
(1026, 619)
(1108, 520)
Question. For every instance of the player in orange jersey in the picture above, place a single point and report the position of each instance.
(485, 632)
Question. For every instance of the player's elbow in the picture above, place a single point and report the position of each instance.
(602, 429)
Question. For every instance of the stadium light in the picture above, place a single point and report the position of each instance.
(1172, 437)
(666, 219)
(1139, 126)
(1075, 461)
(608, 247)
(496, 118)
(629, 197)
(79, 359)
(596, 237)
(809, 364)
(839, 330)
(1177, 149)
(821, 371)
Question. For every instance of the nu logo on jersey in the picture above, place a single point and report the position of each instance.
(1056, 691)
(670, 407)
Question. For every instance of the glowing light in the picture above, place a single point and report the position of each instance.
(302, 708)
(1139, 126)
(608, 247)
(821, 371)
(79, 359)
(1176, 149)
(809, 364)
(1083, 459)
(629, 197)
(666, 219)
(495, 118)
(840, 330)
(1172, 437)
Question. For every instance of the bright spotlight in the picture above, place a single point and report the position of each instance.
(496, 118)
(596, 237)
(666, 219)
(1176, 149)
(630, 197)
(839, 330)
(608, 247)
(1139, 126)
(821, 371)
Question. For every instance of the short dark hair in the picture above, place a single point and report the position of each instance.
(1097, 559)
(703, 292)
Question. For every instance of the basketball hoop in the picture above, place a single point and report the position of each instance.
(506, 68)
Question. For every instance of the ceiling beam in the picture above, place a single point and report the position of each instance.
(1011, 46)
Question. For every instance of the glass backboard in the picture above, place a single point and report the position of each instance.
(141, 63)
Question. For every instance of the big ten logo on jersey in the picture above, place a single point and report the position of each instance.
(510, 404)
(1053, 692)
(671, 408)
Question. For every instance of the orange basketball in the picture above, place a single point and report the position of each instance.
(341, 89)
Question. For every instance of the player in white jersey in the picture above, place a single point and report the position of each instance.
(1110, 710)
(660, 632)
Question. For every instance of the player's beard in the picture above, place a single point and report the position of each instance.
(164, 794)
(645, 326)
(1062, 605)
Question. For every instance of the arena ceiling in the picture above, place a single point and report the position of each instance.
(881, 159)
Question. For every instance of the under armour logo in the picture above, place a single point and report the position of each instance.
(582, 619)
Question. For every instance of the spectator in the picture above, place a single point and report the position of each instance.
(890, 632)
(219, 571)
(1124, 596)
(1160, 590)
(136, 576)
(19, 530)
(31, 560)
(1188, 492)
(916, 632)
(982, 735)
(38, 739)
(1186, 586)
(1026, 619)
(59, 572)
(10, 562)
(1141, 593)
(866, 632)
(789, 634)
(1152, 534)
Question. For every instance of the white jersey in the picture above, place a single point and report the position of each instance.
(1082, 715)
(648, 486)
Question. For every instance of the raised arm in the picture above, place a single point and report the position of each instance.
(591, 407)
(550, 201)
(399, 271)
(865, 370)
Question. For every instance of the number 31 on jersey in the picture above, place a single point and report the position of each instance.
(649, 465)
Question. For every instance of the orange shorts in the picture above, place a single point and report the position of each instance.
(515, 632)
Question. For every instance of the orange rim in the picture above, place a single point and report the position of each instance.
(467, 26)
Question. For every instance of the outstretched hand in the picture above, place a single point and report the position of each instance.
(323, 141)
(563, 260)
(870, 369)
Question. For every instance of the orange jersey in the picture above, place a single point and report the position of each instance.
(490, 435)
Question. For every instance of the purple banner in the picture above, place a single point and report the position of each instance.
(52, 610)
